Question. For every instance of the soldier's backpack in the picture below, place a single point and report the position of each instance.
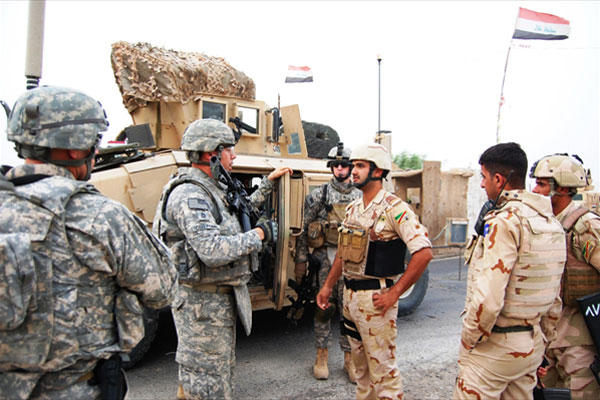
(27, 217)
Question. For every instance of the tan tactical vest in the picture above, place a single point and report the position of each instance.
(579, 278)
(325, 232)
(354, 243)
(334, 220)
(535, 278)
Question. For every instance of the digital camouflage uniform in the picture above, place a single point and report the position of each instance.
(92, 275)
(212, 258)
(386, 217)
(573, 350)
(513, 283)
(338, 194)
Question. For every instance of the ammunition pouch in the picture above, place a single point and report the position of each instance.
(110, 378)
(353, 245)
(334, 217)
(316, 234)
(579, 278)
(386, 258)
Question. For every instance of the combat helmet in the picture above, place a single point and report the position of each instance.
(374, 152)
(567, 171)
(207, 135)
(377, 155)
(51, 117)
(338, 153)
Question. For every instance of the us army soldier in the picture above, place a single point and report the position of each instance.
(374, 236)
(570, 354)
(212, 255)
(512, 302)
(324, 210)
(85, 263)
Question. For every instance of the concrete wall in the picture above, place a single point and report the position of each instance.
(436, 196)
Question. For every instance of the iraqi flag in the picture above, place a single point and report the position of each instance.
(536, 25)
(298, 74)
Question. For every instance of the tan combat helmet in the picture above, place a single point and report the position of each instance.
(374, 152)
(378, 155)
(567, 171)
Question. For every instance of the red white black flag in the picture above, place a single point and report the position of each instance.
(298, 74)
(536, 25)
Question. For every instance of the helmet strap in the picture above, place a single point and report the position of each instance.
(369, 178)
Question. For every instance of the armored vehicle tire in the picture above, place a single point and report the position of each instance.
(150, 328)
(410, 300)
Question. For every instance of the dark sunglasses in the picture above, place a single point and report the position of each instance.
(342, 163)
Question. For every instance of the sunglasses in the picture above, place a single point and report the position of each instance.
(342, 163)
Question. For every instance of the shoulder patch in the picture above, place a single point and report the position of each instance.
(195, 203)
(392, 199)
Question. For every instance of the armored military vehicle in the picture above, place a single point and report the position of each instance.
(164, 91)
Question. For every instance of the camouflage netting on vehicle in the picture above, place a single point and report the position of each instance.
(146, 74)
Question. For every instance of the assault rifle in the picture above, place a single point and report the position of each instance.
(237, 200)
(306, 290)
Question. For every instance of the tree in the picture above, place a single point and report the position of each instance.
(406, 160)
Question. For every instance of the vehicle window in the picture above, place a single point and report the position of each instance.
(294, 146)
(213, 111)
(248, 116)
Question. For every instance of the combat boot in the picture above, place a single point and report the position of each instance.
(180, 393)
(320, 370)
(349, 367)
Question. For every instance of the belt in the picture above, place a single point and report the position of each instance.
(509, 329)
(366, 284)
(207, 287)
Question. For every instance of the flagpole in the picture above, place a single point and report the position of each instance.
(502, 94)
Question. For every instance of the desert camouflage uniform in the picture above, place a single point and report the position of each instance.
(337, 193)
(514, 280)
(212, 259)
(573, 350)
(110, 257)
(387, 217)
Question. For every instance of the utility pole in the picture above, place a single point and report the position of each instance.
(35, 43)
(379, 94)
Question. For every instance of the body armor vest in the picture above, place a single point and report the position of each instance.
(321, 232)
(58, 299)
(579, 278)
(535, 278)
(362, 256)
(191, 269)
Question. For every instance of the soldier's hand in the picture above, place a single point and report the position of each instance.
(278, 172)
(299, 271)
(269, 228)
(323, 297)
(384, 300)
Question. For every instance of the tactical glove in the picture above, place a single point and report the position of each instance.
(269, 228)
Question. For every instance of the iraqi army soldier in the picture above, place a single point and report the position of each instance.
(324, 210)
(571, 353)
(76, 265)
(374, 236)
(212, 254)
(512, 302)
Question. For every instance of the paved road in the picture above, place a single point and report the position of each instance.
(275, 361)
